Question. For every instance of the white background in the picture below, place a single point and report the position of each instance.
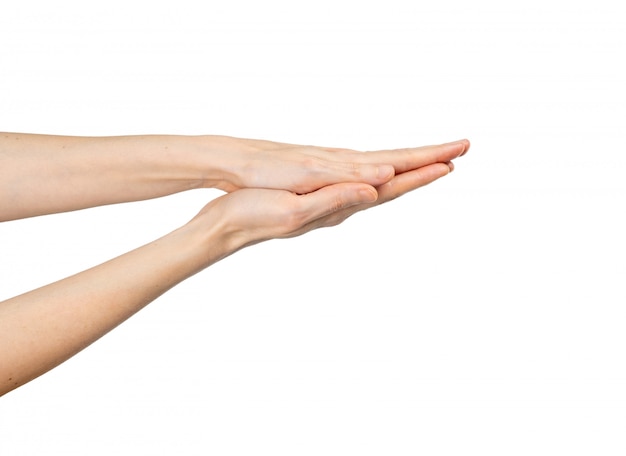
(484, 314)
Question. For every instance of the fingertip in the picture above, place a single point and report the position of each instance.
(439, 170)
(466, 147)
(368, 195)
(385, 172)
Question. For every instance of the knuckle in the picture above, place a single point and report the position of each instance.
(390, 191)
(356, 170)
(333, 220)
(337, 204)
(295, 217)
(337, 218)
(314, 163)
(310, 163)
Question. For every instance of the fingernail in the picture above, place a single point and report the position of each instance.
(368, 195)
(465, 146)
(456, 143)
(385, 172)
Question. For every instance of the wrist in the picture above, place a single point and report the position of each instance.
(208, 237)
(176, 163)
(219, 160)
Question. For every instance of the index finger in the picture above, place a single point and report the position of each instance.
(408, 159)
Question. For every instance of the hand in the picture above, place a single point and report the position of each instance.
(398, 186)
(42, 328)
(249, 216)
(304, 169)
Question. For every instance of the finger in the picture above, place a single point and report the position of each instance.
(411, 180)
(398, 186)
(333, 198)
(371, 173)
(409, 159)
(314, 173)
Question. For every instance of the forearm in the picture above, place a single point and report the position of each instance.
(44, 327)
(42, 174)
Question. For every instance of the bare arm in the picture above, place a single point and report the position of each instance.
(43, 174)
(42, 328)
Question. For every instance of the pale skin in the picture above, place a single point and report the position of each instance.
(273, 190)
